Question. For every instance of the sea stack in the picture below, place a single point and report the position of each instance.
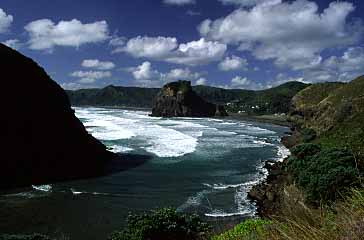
(177, 99)
(41, 139)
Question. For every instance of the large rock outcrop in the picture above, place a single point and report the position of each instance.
(41, 139)
(177, 99)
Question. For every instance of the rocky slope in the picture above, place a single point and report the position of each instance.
(41, 139)
(177, 99)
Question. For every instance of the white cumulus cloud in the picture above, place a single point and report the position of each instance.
(44, 34)
(145, 75)
(5, 21)
(201, 81)
(233, 63)
(292, 34)
(150, 47)
(167, 49)
(97, 64)
(198, 52)
(88, 77)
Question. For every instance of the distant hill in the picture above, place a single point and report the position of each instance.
(274, 100)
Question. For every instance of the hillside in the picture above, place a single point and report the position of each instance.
(274, 100)
(42, 141)
(335, 111)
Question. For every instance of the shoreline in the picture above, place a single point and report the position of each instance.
(267, 194)
(269, 119)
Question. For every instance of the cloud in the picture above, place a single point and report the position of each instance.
(233, 63)
(181, 74)
(45, 34)
(13, 43)
(193, 13)
(167, 49)
(197, 53)
(201, 81)
(338, 68)
(118, 43)
(179, 2)
(150, 47)
(145, 72)
(88, 77)
(293, 34)
(97, 64)
(5, 21)
(240, 82)
(146, 76)
(249, 3)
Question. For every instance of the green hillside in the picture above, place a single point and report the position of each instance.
(274, 100)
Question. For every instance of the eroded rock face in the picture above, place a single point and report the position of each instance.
(41, 139)
(177, 99)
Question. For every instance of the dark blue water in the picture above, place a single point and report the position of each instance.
(195, 165)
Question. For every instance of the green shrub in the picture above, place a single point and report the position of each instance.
(24, 237)
(325, 174)
(308, 134)
(250, 228)
(163, 224)
(305, 150)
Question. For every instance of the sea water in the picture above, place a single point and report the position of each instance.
(200, 165)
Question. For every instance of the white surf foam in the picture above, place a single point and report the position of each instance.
(221, 214)
(120, 149)
(194, 201)
(282, 153)
(43, 188)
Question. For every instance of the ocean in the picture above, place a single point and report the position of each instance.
(197, 165)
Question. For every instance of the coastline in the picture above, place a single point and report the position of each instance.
(270, 119)
(267, 195)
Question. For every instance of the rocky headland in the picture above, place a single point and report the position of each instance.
(41, 141)
(328, 114)
(177, 99)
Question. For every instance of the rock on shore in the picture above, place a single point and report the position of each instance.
(177, 99)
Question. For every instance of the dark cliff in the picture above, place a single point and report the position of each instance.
(177, 99)
(41, 139)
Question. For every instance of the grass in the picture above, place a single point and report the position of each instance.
(345, 220)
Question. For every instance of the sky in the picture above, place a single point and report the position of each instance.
(248, 44)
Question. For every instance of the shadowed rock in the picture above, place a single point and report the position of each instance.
(41, 139)
(177, 99)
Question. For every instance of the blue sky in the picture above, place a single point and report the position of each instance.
(252, 44)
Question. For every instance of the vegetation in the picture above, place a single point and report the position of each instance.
(274, 100)
(163, 224)
(322, 174)
(251, 229)
(24, 237)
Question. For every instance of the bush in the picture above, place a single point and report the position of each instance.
(24, 237)
(308, 134)
(325, 174)
(248, 228)
(163, 224)
(306, 149)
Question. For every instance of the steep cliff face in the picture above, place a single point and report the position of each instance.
(41, 139)
(177, 99)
